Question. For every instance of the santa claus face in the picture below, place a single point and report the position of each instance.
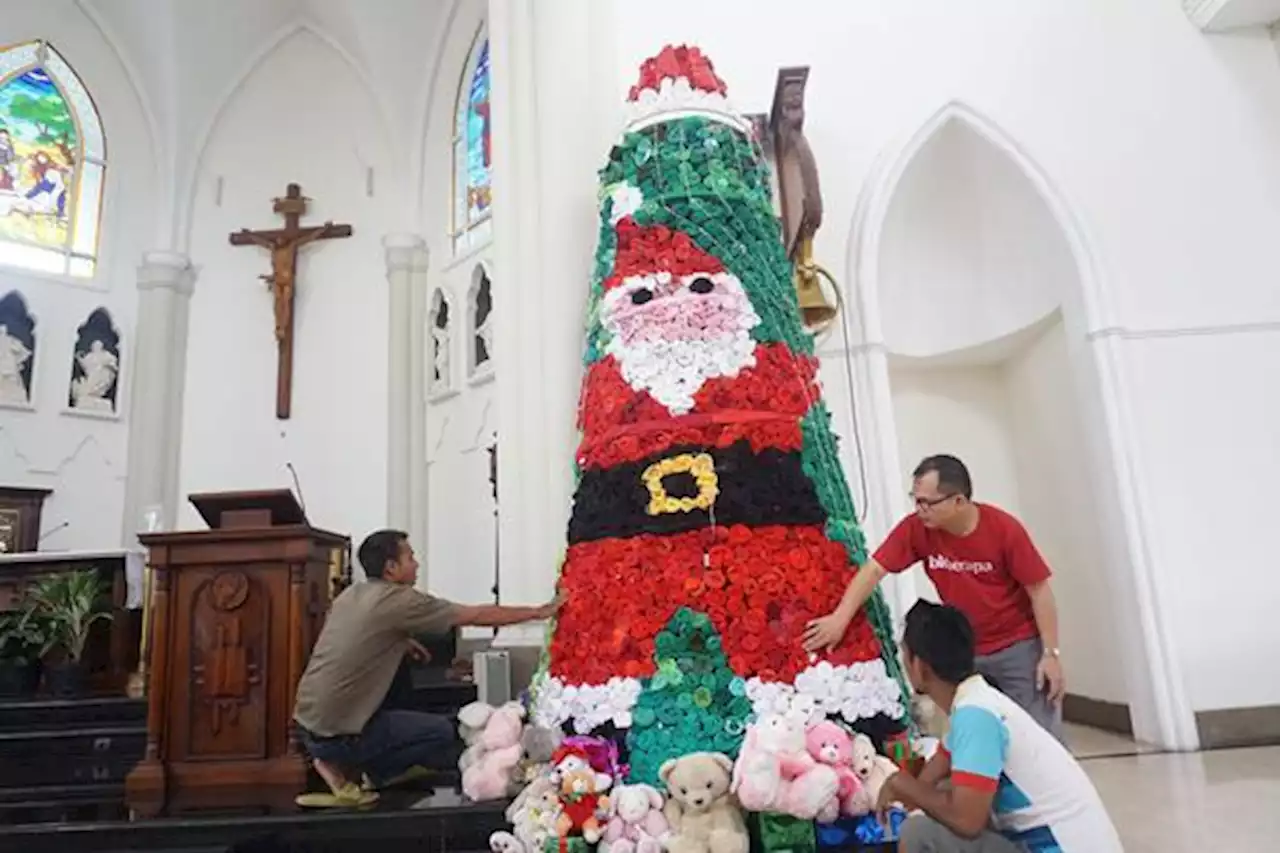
(671, 333)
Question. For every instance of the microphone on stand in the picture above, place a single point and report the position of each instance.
(297, 488)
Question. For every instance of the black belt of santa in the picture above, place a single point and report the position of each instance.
(688, 488)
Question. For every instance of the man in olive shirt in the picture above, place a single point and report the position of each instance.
(369, 630)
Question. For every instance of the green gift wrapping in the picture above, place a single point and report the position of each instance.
(785, 834)
(572, 844)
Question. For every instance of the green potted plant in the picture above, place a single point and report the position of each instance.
(71, 602)
(22, 639)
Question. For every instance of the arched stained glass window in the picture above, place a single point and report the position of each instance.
(52, 161)
(472, 152)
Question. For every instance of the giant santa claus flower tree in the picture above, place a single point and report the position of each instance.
(711, 519)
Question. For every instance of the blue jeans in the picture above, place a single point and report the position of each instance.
(391, 743)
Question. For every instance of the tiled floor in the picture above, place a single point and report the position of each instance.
(1206, 802)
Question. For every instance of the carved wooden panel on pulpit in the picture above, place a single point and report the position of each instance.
(230, 648)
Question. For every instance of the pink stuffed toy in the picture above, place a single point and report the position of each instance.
(775, 774)
(494, 750)
(831, 745)
(636, 824)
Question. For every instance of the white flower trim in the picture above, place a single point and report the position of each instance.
(627, 199)
(676, 98)
(587, 705)
(855, 692)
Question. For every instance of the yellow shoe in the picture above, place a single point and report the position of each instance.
(416, 773)
(349, 796)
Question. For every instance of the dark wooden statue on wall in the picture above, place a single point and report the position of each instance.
(284, 243)
(799, 192)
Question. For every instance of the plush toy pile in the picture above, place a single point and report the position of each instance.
(711, 519)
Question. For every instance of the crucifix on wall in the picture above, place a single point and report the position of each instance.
(283, 244)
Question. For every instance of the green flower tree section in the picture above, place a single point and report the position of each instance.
(693, 703)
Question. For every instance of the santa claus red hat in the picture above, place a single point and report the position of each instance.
(680, 81)
(644, 250)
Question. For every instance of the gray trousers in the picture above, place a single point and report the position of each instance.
(923, 834)
(1013, 670)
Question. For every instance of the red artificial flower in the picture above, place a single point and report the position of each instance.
(620, 424)
(630, 588)
(674, 63)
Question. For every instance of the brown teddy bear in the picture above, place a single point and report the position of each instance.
(704, 817)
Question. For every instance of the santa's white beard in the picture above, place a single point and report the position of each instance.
(672, 372)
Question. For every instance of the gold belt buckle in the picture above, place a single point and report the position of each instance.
(703, 469)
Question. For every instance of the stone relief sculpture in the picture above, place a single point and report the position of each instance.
(480, 306)
(17, 351)
(95, 367)
(440, 378)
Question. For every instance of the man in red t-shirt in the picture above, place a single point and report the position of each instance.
(983, 563)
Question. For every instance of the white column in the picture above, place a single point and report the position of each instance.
(165, 282)
(406, 267)
(544, 236)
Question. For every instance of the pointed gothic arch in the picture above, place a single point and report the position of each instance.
(1162, 701)
(53, 160)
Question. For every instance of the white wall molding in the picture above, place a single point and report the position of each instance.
(407, 262)
(1216, 330)
(1216, 16)
(1168, 719)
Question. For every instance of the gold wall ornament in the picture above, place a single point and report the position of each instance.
(703, 469)
(816, 310)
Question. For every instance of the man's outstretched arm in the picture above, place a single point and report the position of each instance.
(497, 615)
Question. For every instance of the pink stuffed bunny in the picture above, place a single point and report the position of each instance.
(489, 766)
(775, 774)
(831, 745)
(636, 824)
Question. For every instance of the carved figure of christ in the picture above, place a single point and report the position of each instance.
(283, 243)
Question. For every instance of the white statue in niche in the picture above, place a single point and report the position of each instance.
(440, 356)
(13, 355)
(90, 392)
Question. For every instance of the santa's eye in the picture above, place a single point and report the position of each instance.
(702, 284)
(641, 296)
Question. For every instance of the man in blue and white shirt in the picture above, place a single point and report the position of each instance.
(1013, 786)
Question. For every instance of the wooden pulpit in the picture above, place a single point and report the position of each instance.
(235, 610)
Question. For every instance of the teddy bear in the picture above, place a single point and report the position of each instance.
(831, 745)
(700, 809)
(775, 773)
(538, 744)
(636, 822)
(580, 790)
(493, 748)
(872, 768)
(533, 815)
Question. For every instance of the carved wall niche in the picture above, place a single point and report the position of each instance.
(95, 367)
(480, 325)
(440, 367)
(17, 352)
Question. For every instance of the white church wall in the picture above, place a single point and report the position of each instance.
(1119, 135)
(82, 459)
(302, 115)
(462, 419)
(1058, 504)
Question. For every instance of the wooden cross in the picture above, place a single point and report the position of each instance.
(284, 244)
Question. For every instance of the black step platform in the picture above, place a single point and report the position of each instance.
(438, 821)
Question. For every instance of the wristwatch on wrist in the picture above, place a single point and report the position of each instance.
(1052, 653)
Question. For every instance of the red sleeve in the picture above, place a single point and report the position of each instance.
(1025, 563)
(899, 551)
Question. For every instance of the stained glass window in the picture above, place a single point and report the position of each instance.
(472, 152)
(52, 161)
